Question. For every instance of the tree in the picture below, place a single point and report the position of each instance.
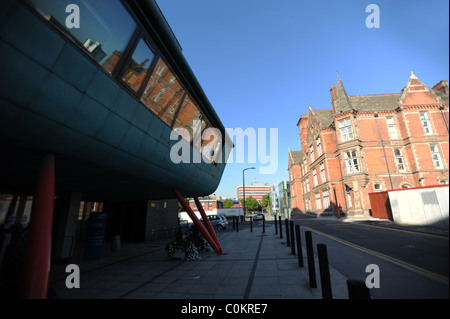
(227, 203)
(180, 207)
(251, 204)
(266, 201)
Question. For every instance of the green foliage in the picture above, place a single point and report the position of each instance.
(266, 201)
(227, 203)
(251, 204)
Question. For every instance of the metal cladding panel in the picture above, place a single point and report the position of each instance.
(32, 37)
(74, 68)
(23, 73)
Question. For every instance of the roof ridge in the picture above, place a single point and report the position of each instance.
(377, 94)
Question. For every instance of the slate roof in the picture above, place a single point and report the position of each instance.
(324, 117)
(297, 156)
(375, 102)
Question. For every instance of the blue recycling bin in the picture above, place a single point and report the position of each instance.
(95, 235)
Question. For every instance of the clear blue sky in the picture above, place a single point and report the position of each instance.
(260, 62)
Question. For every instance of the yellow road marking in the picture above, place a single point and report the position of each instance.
(393, 260)
(407, 231)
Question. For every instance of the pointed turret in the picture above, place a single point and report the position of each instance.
(339, 97)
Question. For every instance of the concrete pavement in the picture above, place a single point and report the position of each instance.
(256, 266)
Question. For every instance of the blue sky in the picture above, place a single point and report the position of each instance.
(261, 62)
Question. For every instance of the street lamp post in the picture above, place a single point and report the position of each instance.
(243, 184)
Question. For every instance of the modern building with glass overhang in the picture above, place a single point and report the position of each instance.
(94, 96)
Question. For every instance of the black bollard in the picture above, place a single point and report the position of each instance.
(276, 225)
(299, 246)
(325, 281)
(234, 222)
(357, 289)
(288, 239)
(291, 230)
(251, 224)
(237, 224)
(264, 224)
(281, 228)
(310, 255)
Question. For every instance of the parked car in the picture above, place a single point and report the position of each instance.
(219, 222)
(258, 216)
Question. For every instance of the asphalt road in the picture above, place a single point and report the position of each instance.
(412, 264)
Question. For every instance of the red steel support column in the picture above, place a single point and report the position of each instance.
(196, 221)
(207, 222)
(39, 242)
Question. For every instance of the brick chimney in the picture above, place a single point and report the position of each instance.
(441, 86)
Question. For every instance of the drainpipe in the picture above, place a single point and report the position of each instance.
(441, 108)
(342, 175)
(384, 151)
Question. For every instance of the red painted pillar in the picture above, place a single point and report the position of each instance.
(39, 242)
(196, 221)
(207, 222)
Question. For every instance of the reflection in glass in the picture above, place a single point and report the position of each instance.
(136, 68)
(105, 26)
(187, 113)
(163, 93)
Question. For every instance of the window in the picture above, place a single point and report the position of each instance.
(307, 185)
(352, 162)
(135, 71)
(318, 201)
(305, 166)
(406, 186)
(399, 160)
(315, 177)
(311, 152)
(326, 199)
(106, 27)
(186, 116)
(346, 129)
(377, 187)
(425, 122)
(163, 95)
(443, 182)
(160, 95)
(319, 146)
(436, 156)
(322, 173)
(391, 127)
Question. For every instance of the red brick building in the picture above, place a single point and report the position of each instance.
(370, 143)
(208, 203)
